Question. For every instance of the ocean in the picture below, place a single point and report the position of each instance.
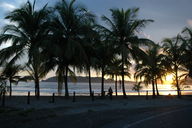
(48, 88)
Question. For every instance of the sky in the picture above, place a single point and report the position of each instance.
(170, 16)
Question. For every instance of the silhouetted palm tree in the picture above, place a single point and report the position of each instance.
(137, 87)
(37, 70)
(187, 48)
(68, 27)
(123, 26)
(114, 70)
(105, 54)
(27, 34)
(10, 72)
(89, 46)
(3, 86)
(174, 51)
(151, 66)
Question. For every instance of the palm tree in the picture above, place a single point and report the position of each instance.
(90, 40)
(90, 49)
(114, 70)
(3, 86)
(104, 54)
(174, 52)
(123, 26)
(150, 67)
(187, 48)
(37, 69)
(68, 27)
(27, 34)
(10, 72)
(137, 87)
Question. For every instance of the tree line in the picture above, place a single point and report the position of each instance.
(67, 38)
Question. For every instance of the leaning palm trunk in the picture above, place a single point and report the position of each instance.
(66, 82)
(90, 88)
(102, 82)
(153, 87)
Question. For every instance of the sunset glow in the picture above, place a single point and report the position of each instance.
(168, 79)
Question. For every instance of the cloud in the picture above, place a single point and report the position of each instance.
(7, 6)
(189, 22)
(3, 22)
(145, 35)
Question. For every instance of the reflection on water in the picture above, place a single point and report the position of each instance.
(47, 88)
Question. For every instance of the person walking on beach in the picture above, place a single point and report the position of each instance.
(110, 92)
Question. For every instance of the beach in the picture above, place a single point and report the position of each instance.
(84, 112)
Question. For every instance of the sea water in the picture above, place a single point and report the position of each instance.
(48, 88)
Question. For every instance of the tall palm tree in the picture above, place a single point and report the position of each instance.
(187, 48)
(90, 49)
(27, 34)
(174, 52)
(37, 69)
(105, 54)
(151, 66)
(68, 27)
(10, 73)
(123, 26)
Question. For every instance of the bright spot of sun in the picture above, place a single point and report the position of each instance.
(168, 79)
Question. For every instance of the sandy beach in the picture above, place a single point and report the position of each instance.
(84, 112)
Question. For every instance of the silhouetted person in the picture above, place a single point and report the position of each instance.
(110, 92)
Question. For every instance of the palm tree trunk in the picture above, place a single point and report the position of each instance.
(60, 87)
(90, 88)
(153, 86)
(37, 87)
(177, 83)
(123, 82)
(10, 88)
(102, 82)
(138, 93)
(66, 82)
(60, 80)
(116, 84)
(157, 90)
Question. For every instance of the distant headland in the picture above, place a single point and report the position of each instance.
(83, 79)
